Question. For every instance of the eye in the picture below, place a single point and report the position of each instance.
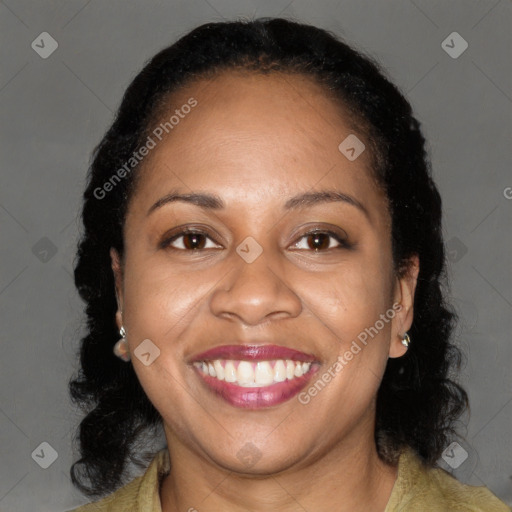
(321, 241)
(189, 241)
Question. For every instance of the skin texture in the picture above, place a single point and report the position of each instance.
(256, 141)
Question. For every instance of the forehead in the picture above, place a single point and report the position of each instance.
(254, 135)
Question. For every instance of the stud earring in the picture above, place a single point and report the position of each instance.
(406, 340)
(121, 347)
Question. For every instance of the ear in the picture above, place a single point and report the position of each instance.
(405, 288)
(118, 280)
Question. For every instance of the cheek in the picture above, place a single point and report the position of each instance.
(161, 305)
(158, 299)
(350, 299)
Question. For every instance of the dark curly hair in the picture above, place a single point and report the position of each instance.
(417, 403)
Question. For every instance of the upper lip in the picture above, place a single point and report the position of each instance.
(253, 353)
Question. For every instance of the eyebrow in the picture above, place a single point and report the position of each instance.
(206, 201)
(214, 202)
(325, 196)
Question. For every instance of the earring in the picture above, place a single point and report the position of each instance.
(121, 347)
(406, 340)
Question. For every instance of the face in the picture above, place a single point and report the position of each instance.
(256, 290)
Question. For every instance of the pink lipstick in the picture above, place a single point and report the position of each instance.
(254, 376)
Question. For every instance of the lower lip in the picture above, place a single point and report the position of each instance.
(256, 398)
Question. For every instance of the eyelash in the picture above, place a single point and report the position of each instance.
(166, 244)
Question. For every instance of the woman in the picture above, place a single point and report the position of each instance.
(263, 232)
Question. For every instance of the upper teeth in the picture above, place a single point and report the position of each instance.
(253, 373)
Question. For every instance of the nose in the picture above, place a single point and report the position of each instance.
(253, 293)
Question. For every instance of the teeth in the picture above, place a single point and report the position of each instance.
(290, 369)
(219, 369)
(230, 372)
(245, 373)
(264, 374)
(279, 371)
(253, 373)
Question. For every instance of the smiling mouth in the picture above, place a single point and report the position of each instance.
(253, 374)
(253, 377)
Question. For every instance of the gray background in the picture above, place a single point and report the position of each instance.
(55, 110)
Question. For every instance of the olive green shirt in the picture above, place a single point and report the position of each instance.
(416, 489)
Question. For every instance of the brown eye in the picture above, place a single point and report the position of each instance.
(318, 241)
(321, 241)
(194, 241)
(189, 241)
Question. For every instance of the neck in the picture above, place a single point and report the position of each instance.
(348, 477)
